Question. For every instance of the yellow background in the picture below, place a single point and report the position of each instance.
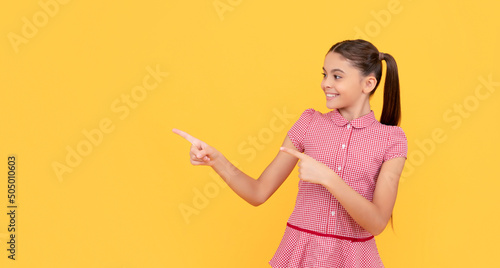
(232, 74)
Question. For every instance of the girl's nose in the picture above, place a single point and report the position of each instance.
(326, 84)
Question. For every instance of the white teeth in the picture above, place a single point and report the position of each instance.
(331, 95)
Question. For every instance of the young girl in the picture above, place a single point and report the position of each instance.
(349, 167)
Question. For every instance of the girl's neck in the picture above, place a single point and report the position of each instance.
(351, 113)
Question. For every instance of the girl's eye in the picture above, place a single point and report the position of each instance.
(324, 75)
(336, 77)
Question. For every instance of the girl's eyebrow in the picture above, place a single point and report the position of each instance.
(334, 70)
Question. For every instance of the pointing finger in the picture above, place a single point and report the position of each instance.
(186, 136)
(295, 153)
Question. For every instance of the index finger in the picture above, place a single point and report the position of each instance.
(295, 153)
(186, 136)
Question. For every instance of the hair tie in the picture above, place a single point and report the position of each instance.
(381, 55)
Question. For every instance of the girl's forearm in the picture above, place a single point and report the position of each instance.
(242, 184)
(364, 212)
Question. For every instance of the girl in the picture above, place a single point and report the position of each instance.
(349, 167)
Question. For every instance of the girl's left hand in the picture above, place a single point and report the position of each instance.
(311, 170)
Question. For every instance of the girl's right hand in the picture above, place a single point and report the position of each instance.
(200, 153)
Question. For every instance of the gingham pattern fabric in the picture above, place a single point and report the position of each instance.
(320, 232)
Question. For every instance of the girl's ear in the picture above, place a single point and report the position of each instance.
(369, 84)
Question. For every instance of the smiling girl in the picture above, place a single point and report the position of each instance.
(349, 167)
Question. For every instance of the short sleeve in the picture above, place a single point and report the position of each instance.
(397, 145)
(298, 131)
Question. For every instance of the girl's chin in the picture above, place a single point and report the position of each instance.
(330, 106)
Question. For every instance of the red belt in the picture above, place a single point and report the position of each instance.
(330, 235)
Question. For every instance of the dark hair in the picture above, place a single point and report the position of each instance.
(366, 57)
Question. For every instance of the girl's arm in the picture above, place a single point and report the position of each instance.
(372, 216)
(251, 190)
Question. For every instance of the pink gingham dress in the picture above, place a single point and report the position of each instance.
(320, 233)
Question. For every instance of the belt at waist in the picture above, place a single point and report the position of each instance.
(330, 235)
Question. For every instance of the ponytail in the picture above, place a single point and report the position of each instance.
(391, 110)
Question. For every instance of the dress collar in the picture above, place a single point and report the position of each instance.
(359, 122)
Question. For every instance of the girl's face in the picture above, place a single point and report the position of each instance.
(346, 89)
